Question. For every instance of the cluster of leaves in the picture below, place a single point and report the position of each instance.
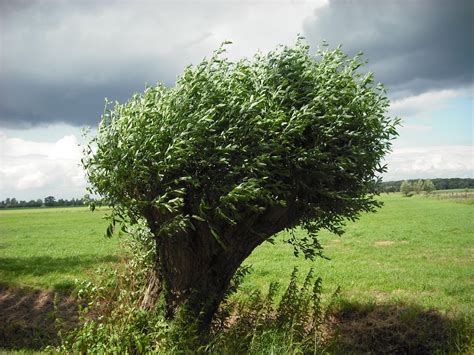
(233, 140)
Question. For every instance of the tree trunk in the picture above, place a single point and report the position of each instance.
(192, 274)
(153, 290)
(193, 270)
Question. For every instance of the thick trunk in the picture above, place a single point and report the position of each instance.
(193, 271)
(197, 278)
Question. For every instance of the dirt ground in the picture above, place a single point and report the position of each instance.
(29, 318)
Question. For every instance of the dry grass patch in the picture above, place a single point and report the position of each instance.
(384, 243)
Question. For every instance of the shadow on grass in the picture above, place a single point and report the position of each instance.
(371, 328)
(43, 265)
(27, 321)
(27, 317)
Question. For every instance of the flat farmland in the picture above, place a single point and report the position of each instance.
(49, 248)
(415, 255)
(413, 249)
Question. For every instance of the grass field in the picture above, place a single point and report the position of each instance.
(415, 251)
(52, 247)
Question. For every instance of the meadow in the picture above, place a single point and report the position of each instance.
(416, 250)
(49, 248)
(411, 258)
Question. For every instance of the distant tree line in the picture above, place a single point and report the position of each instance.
(49, 201)
(413, 185)
(439, 184)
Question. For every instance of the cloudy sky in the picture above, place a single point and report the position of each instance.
(60, 59)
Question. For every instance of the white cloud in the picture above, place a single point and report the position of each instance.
(30, 169)
(425, 102)
(31, 180)
(430, 162)
(67, 148)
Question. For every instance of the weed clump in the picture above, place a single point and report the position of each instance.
(112, 321)
(260, 323)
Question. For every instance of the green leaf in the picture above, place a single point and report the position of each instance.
(217, 238)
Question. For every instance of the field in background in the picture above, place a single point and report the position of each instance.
(414, 250)
(460, 195)
(414, 254)
(52, 247)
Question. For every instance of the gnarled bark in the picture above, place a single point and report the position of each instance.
(153, 290)
(194, 270)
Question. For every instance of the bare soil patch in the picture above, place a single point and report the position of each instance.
(384, 243)
(27, 317)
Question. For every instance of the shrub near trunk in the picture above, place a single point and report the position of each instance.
(234, 153)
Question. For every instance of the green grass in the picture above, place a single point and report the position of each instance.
(393, 266)
(52, 247)
(414, 250)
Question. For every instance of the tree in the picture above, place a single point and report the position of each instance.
(406, 188)
(418, 186)
(234, 153)
(49, 201)
(428, 186)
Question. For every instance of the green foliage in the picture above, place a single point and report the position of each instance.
(409, 189)
(111, 320)
(140, 247)
(249, 324)
(259, 323)
(428, 186)
(418, 186)
(49, 201)
(233, 141)
(406, 188)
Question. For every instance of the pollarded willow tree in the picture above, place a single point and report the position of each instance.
(236, 152)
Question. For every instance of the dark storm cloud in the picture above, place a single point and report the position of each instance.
(25, 102)
(412, 45)
(60, 59)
